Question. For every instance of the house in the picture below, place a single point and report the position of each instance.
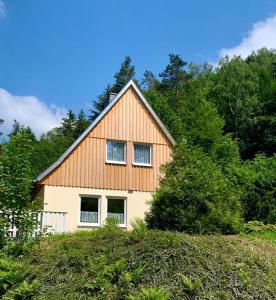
(113, 168)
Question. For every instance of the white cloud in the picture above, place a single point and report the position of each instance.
(2, 9)
(29, 111)
(262, 34)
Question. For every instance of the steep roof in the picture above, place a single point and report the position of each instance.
(132, 84)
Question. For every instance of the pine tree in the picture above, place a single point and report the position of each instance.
(100, 104)
(68, 124)
(18, 128)
(15, 128)
(81, 124)
(149, 81)
(174, 75)
(173, 79)
(126, 72)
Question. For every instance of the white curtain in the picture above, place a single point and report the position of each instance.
(115, 151)
(142, 154)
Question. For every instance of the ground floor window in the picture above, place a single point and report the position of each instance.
(89, 210)
(116, 208)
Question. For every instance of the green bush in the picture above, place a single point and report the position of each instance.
(11, 274)
(258, 179)
(139, 229)
(151, 294)
(25, 291)
(195, 196)
(192, 287)
(258, 227)
(100, 265)
(3, 232)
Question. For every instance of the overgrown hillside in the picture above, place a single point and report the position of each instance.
(111, 264)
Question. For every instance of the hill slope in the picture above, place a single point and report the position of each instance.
(110, 264)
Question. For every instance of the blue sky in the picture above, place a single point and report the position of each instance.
(56, 55)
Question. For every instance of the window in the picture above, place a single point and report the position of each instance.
(116, 208)
(115, 152)
(142, 154)
(89, 210)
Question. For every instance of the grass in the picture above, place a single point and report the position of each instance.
(269, 236)
(112, 264)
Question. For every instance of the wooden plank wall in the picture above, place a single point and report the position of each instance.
(128, 121)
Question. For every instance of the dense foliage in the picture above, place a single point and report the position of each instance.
(114, 264)
(195, 196)
(227, 116)
(258, 178)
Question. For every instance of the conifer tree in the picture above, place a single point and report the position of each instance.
(81, 124)
(68, 124)
(126, 72)
(100, 104)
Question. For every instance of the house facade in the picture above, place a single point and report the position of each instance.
(113, 168)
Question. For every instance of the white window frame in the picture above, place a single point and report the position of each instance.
(115, 161)
(133, 155)
(125, 208)
(86, 224)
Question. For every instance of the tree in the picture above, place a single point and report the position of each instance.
(100, 104)
(161, 106)
(68, 124)
(81, 124)
(126, 73)
(1, 133)
(1, 122)
(195, 196)
(257, 178)
(241, 93)
(149, 81)
(48, 149)
(263, 135)
(18, 128)
(173, 79)
(16, 171)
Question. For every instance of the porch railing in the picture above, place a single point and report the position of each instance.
(47, 222)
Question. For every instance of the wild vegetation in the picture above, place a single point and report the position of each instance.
(223, 174)
(113, 264)
(225, 117)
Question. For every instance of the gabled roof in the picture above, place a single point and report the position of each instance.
(131, 83)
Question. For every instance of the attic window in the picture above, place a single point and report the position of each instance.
(142, 155)
(115, 152)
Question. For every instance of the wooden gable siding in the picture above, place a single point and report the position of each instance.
(130, 121)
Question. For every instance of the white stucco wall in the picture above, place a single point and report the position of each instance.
(67, 199)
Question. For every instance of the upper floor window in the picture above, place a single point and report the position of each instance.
(142, 154)
(115, 152)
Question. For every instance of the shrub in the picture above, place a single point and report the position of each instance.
(258, 178)
(24, 291)
(3, 232)
(139, 229)
(191, 287)
(111, 223)
(11, 274)
(195, 196)
(151, 294)
(258, 227)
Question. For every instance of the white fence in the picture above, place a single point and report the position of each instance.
(48, 222)
(54, 222)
